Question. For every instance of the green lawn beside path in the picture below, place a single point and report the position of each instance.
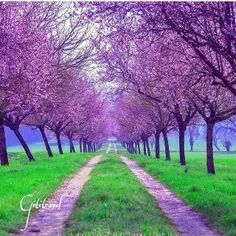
(214, 196)
(39, 178)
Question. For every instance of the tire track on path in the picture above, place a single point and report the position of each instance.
(186, 221)
(109, 147)
(48, 222)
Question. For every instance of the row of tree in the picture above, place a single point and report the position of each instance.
(174, 64)
(140, 122)
(45, 52)
(224, 135)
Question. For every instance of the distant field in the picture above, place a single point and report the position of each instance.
(199, 145)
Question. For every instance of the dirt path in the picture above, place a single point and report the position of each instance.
(109, 147)
(186, 221)
(115, 149)
(50, 222)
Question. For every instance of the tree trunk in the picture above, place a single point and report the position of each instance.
(58, 135)
(132, 146)
(99, 145)
(144, 147)
(209, 149)
(227, 144)
(80, 145)
(24, 144)
(191, 143)
(148, 148)
(166, 143)
(3, 146)
(139, 152)
(135, 148)
(84, 145)
(71, 145)
(89, 146)
(181, 145)
(217, 147)
(157, 144)
(45, 140)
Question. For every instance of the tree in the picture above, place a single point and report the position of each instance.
(225, 133)
(209, 28)
(39, 120)
(193, 135)
(25, 62)
(214, 106)
(36, 48)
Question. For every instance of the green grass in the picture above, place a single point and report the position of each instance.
(214, 196)
(114, 202)
(39, 178)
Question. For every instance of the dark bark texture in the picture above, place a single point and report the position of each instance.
(3, 146)
(45, 140)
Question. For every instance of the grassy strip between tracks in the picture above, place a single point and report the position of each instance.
(39, 178)
(114, 202)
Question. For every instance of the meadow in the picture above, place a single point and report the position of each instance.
(113, 200)
(39, 178)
